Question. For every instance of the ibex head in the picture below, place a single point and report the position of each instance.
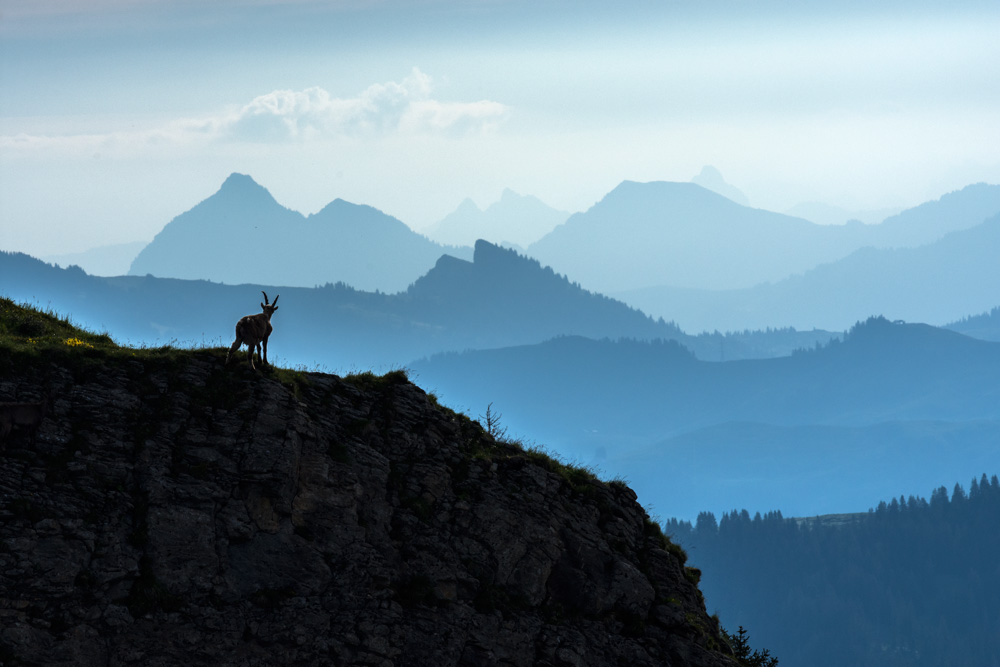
(269, 308)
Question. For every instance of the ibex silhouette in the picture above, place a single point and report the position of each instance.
(254, 330)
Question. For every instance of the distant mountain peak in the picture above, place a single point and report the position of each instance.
(484, 249)
(509, 195)
(662, 192)
(466, 207)
(711, 178)
(241, 187)
(241, 184)
(237, 179)
(241, 234)
(338, 205)
(449, 264)
(491, 254)
(514, 218)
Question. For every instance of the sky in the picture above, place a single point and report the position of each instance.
(117, 115)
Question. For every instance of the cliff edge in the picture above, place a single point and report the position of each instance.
(164, 509)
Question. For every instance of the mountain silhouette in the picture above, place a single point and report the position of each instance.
(680, 235)
(827, 214)
(513, 220)
(711, 179)
(499, 299)
(889, 408)
(107, 260)
(242, 235)
(937, 283)
(932, 220)
(985, 326)
(881, 372)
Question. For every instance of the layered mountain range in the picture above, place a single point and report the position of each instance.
(894, 405)
(606, 383)
(939, 282)
(515, 219)
(680, 235)
(499, 299)
(677, 251)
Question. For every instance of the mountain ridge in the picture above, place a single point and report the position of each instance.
(514, 219)
(882, 371)
(457, 305)
(938, 283)
(682, 236)
(241, 234)
(890, 404)
(643, 234)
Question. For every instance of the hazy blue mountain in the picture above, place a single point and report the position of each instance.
(936, 283)
(985, 326)
(108, 260)
(242, 235)
(514, 219)
(680, 234)
(930, 221)
(804, 470)
(500, 284)
(711, 178)
(892, 407)
(570, 390)
(915, 226)
(502, 295)
(825, 214)
(499, 299)
(596, 400)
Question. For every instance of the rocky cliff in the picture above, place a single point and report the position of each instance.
(169, 510)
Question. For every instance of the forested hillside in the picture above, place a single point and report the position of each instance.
(911, 582)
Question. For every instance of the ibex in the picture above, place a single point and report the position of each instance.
(253, 330)
(27, 415)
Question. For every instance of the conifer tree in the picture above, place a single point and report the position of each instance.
(740, 643)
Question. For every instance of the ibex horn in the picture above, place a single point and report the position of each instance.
(275, 302)
(265, 296)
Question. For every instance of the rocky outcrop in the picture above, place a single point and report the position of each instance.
(169, 510)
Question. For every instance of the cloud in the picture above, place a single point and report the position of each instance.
(404, 107)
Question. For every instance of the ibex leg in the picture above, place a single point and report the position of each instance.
(233, 348)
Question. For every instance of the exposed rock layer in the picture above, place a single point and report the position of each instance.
(169, 510)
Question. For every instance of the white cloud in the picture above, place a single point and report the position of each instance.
(404, 107)
(287, 116)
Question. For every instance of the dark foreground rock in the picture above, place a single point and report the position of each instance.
(170, 511)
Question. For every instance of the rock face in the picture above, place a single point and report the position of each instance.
(169, 510)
